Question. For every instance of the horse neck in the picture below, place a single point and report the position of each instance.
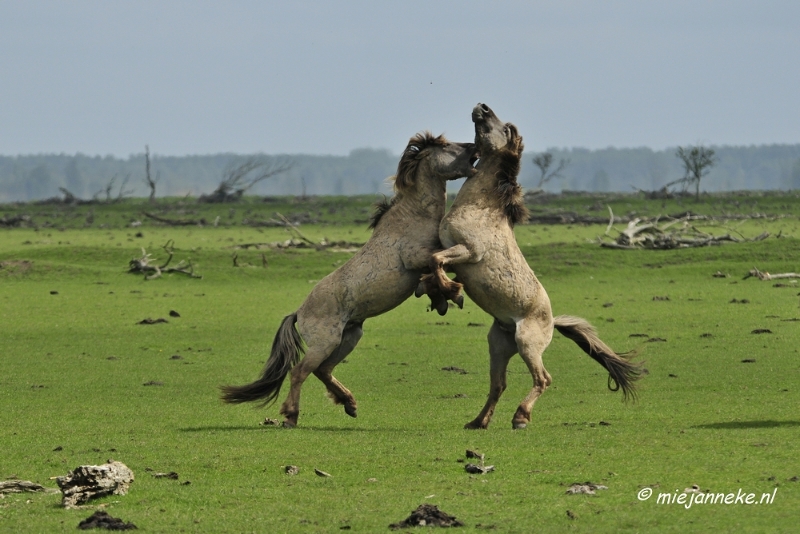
(426, 198)
(481, 187)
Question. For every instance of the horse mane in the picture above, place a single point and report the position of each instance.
(381, 207)
(508, 190)
(406, 170)
(412, 155)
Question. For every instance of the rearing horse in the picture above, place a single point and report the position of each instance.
(481, 249)
(379, 277)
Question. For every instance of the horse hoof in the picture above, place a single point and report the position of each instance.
(420, 290)
(441, 307)
(351, 411)
(519, 426)
(459, 300)
(288, 424)
(472, 425)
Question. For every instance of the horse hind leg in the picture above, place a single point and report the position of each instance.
(316, 353)
(502, 347)
(532, 339)
(336, 391)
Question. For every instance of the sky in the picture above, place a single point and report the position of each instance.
(200, 77)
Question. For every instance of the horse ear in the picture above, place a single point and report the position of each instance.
(515, 140)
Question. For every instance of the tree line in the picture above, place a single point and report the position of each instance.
(363, 171)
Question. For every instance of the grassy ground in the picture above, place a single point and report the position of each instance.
(74, 368)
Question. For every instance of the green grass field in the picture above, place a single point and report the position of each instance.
(75, 369)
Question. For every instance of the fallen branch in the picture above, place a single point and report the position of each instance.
(754, 272)
(144, 266)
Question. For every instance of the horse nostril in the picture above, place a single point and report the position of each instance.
(484, 107)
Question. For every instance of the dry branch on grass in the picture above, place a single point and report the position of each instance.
(672, 233)
(298, 240)
(763, 275)
(144, 265)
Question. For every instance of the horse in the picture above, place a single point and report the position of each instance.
(480, 247)
(378, 278)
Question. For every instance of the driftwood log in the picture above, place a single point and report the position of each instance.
(89, 481)
(669, 234)
(144, 264)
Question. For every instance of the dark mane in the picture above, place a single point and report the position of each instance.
(412, 155)
(508, 190)
(381, 207)
(406, 170)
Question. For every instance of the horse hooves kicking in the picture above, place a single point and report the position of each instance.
(459, 300)
(351, 411)
(441, 307)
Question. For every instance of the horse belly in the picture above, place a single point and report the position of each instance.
(378, 286)
(504, 289)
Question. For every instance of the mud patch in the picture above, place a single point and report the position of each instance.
(427, 515)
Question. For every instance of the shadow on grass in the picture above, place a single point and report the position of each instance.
(737, 425)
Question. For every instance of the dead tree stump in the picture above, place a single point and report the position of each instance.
(89, 481)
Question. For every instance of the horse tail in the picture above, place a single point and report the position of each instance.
(287, 350)
(622, 372)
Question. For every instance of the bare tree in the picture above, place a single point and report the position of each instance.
(697, 162)
(237, 180)
(544, 161)
(151, 183)
(122, 193)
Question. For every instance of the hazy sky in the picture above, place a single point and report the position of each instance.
(197, 77)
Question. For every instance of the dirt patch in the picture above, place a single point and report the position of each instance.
(16, 266)
(454, 369)
(101, 519)
(427, 515)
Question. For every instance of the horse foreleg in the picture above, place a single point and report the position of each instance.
(502, 347)
(336, 391)
(532, 338)
(450, 256)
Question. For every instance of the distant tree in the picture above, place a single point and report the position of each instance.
(147, 178)
(237, 180)
(74, 180)
(697, 162)
(70, 198)
(544, 161)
